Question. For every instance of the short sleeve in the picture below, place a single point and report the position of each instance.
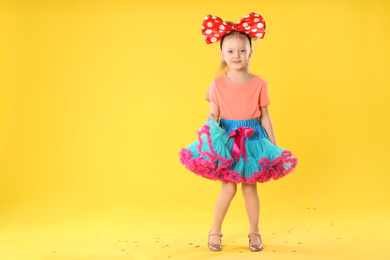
(263, 98)
(212, 94)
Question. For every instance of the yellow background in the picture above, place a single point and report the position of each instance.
(98, 97)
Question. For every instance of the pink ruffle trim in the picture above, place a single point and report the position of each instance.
(208, 168)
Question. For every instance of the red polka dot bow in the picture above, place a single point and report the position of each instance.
(213, 27)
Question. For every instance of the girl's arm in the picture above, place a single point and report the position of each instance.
(265, 120)
(214, 112)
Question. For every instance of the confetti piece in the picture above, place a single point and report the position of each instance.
(190, 243)
(308, 231)
(197, 246)
(285, 241)
(240, 251)
(274, 251)
(316, 198)
(339, 238)
(294, 251)
(54, 251)
(299, 243)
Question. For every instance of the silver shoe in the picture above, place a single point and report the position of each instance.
(215, 246)
(255, 246)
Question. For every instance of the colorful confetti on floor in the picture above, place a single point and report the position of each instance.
(303, 234)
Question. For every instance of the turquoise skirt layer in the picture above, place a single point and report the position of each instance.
(236, 151)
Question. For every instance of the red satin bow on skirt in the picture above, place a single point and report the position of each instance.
(239, 141)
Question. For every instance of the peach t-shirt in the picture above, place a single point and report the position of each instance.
(238, 101)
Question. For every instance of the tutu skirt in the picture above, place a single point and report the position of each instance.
(236, 151)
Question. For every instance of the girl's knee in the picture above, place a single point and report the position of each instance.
(229, 188)
(249, 188)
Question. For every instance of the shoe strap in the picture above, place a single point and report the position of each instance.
(216, 233)
(255, 233)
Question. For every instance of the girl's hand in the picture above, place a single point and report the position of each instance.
(210, 117)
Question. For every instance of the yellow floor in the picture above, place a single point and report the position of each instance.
(311, 231)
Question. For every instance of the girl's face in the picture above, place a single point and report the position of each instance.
(236, 52)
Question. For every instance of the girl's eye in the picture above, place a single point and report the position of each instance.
(242, 50)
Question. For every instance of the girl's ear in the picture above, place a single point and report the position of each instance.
(221, 53)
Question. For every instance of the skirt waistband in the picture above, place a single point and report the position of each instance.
(230, 125)
(238, 123)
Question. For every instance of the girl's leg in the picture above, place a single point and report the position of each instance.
(221, 207)
(252, 205)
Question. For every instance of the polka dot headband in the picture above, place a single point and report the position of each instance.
(214, 28)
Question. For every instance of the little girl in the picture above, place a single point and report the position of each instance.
(237, 142)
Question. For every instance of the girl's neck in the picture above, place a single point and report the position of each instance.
(240, 76)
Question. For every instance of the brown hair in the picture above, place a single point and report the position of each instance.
(223, 67)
